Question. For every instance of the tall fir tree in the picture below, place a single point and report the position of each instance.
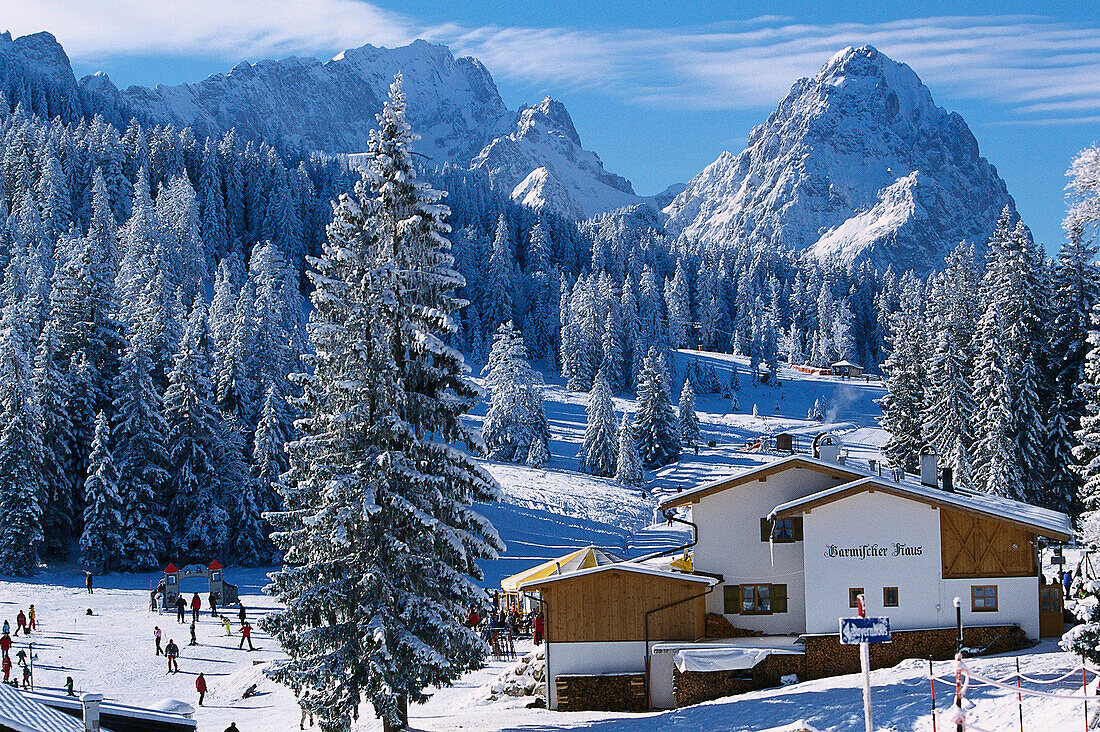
(601, 435)
(628, 462)
(905, 380)
(688, 420)
(656, 430)
(101, 542)
(515, 419)
(379, 536)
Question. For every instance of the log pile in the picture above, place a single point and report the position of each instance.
(719, 627)
(693, 687)
(601, 693)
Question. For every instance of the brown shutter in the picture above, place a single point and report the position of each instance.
(796, 528)
(731, 599)
(765, 529)
(779, 598)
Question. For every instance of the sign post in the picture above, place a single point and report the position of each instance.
(865, 631)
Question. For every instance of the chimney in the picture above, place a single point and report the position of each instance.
(948, 479)
(929, 465)
(90, 702)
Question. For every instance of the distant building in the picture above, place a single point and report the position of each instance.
(847, 368)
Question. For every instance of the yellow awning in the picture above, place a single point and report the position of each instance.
(583, 558)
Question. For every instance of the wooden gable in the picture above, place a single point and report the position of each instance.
(612, 605)
(975, 546)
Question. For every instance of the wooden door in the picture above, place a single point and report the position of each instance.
(1051, 615)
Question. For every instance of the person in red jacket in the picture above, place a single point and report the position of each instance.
(21, 623)
(5, 644)
(538, 629)
(7, 668)
(196, 604)
(246, 635)
(200, 686)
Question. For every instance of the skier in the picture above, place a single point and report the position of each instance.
(232, 727)
(538, 629)
(26, 677)
(6, 663)
(172, 652)
(305, 712)
(30, 618)
(200, 686)
(157, 634)
(88, 581)
(180, 605)
(196, 604)
(193, 641)
(21, 623)
(246, 635)
(7, 627)
(241, 614)
(5, 643)
(226, 625)
(69, 686)
(21, 657)
(212, 600)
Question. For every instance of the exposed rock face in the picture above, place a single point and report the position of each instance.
(856, 163)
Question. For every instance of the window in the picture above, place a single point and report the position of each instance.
(781, 531)
(755, 599)
(853, 596)
(889, 596)
(983, 598)
(1050, 599)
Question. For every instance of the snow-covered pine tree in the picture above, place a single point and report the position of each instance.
(905, 380)
(601, 435)
(379, 536)
(515, 418)
(656, 430)
(140, 455)
(1087, 450)
(538, 455)
(628, 464)
(101, 542)
(195, 443)
(688, 420)
(51, 388)
(502, 265)
(21, 456)
(949, 403)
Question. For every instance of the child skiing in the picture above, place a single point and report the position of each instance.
(246, 635)
(30, 617)
(69, 686)
(193, 641)
(227, 626)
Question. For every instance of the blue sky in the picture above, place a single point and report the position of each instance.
(658, 89)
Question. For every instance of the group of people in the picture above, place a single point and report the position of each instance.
(25, 622)
(502, 627)
(171, 651)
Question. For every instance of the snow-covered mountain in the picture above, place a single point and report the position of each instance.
(857, 163)
(541, 164)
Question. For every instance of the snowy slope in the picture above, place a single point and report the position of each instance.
(541, 164)
(855, 164)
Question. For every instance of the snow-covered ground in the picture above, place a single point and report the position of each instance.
(544, 514)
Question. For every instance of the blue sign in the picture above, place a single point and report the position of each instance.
(864, 630)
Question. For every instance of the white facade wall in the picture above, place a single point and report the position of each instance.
(925, 600)
(729, 544)
(593, 658)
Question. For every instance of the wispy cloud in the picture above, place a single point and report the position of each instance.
(1035, 68)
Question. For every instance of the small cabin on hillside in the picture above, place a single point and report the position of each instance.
(847, 369)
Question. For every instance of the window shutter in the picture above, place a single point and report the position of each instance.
(731, 599)
(796, 528)
(779, 598)
(765, 529)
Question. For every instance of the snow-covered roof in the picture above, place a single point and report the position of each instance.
(21, 713)
(1052, 524)
(847, 363)
(621, 566)
(769, 468)
(583, 558)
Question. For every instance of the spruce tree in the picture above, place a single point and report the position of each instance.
(140, 457)
(101, 542)
(379, 537)
(689, 421)
(515, 419)
(22, 482)
(601, 435)
(628, 464)
(656, 430)
(905, 381)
